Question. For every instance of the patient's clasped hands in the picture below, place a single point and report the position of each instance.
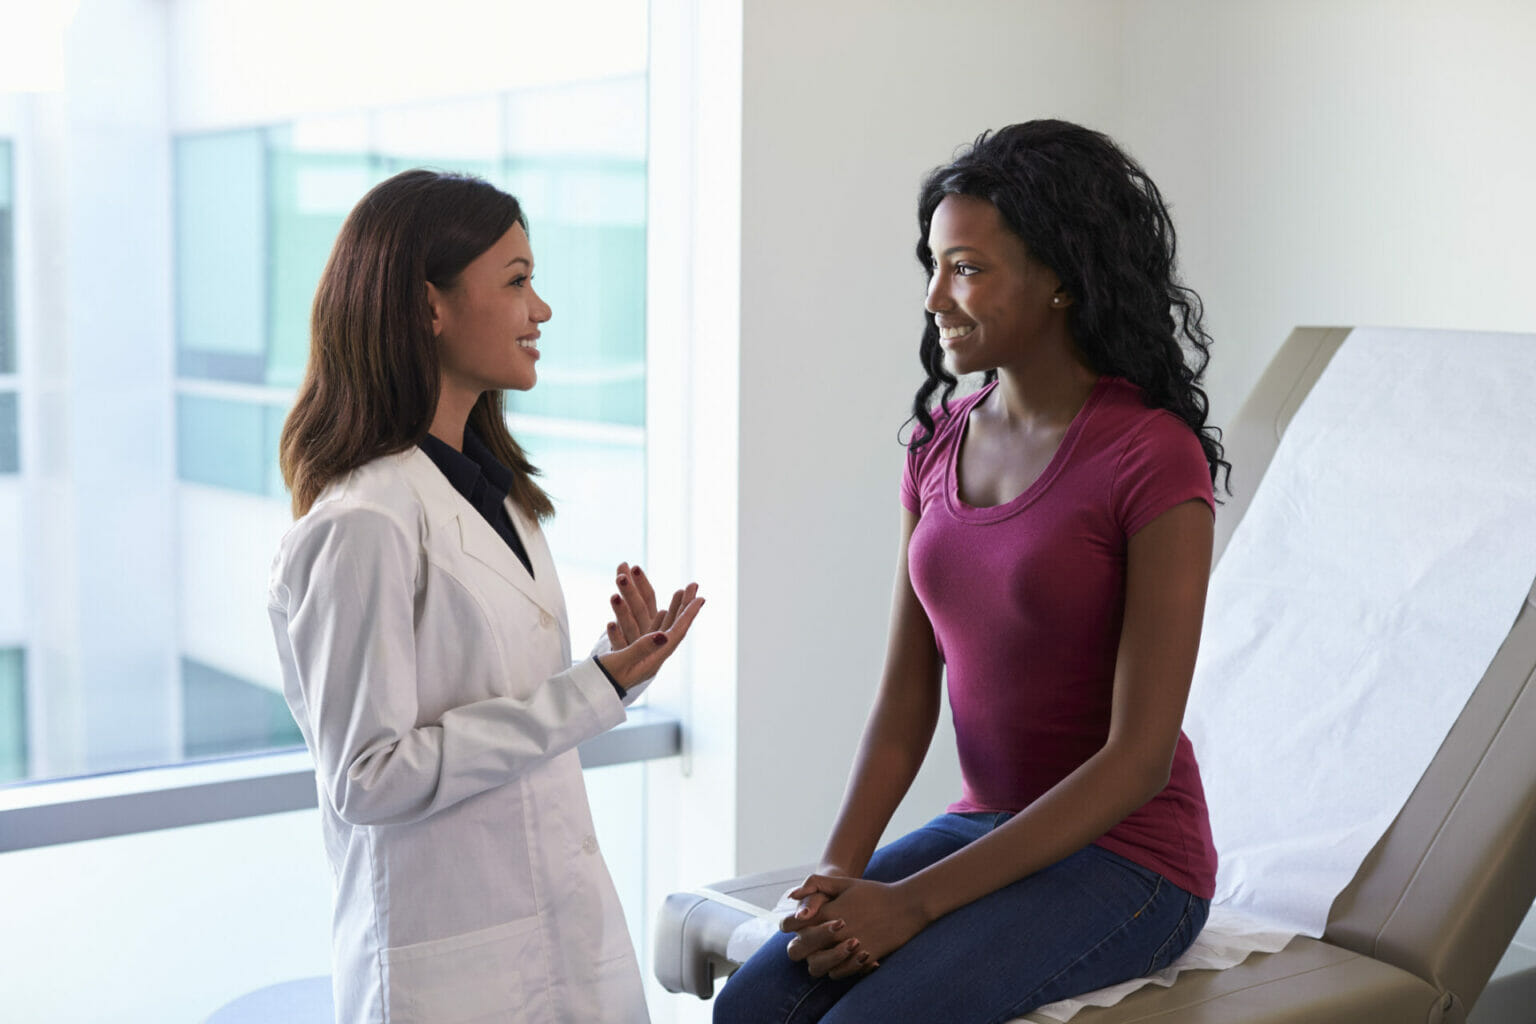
(845, 925)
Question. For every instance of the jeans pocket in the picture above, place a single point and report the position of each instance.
(1183, 934)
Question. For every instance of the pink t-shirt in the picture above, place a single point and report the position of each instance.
(1026, 601)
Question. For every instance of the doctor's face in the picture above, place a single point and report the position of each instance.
(487, 322)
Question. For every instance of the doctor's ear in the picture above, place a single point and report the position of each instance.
(435, 307)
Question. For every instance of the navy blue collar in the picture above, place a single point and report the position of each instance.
(464, 469)
(483, 482)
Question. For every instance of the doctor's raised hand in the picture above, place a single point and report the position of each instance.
(423, 638)
(641, 636)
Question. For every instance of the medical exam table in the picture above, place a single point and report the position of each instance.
(1417, 933)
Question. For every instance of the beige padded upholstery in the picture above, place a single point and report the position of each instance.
(1415, 935)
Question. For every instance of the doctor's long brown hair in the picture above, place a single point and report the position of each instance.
(371, 385)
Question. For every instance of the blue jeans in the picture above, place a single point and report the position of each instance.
(1090, 920)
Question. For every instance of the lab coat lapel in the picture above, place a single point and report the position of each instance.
(480, 541)
(551, 597)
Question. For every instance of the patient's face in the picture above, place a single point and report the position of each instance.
(992, 300)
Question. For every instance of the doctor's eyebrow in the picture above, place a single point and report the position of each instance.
(520, 259)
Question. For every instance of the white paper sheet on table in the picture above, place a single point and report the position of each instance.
(1371, 581)
(1380, 566)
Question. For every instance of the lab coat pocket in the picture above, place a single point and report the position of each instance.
(465, 979)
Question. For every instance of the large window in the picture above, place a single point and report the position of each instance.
(13, 677)
(165, 215)
(164, 219)
(252, 214)
(13, 714)
(10, 440)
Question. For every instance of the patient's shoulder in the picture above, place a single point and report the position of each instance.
(1157, 458)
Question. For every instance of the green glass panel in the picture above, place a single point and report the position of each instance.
(587, 230)
(10, 434)
(220, 240)
(225, 443)
(13, 714)
(310, 195)
(274, 415)
(224, 714)
(7, 265)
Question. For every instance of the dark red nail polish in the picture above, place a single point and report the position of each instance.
(615, 600)
(659, 639)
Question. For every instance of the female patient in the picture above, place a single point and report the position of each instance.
(1056, 539)
(423, 638)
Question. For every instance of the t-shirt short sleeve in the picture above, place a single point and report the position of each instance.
(931, 456)
(910, 499)
(1162, 466)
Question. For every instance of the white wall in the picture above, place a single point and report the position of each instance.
(1361, 162)
(1327, 162)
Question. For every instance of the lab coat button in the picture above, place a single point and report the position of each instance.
(589, 844)
(546, 620)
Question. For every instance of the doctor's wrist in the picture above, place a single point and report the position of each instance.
(617, 687)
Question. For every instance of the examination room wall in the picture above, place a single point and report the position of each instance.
(1327, 163)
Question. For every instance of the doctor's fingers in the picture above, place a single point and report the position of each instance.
(641, 659)
(647, 594)
(641, 613)
(680, 600)
(630, 627)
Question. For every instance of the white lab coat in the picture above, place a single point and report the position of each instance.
(431, 677)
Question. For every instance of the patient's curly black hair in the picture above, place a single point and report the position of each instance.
(1089, 212)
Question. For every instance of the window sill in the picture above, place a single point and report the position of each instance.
(50, 812)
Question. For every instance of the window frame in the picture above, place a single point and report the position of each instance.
(53, 811)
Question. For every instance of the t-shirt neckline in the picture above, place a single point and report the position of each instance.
(1042, 483)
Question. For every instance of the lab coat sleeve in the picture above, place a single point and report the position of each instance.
(604, 646)
(348, 584)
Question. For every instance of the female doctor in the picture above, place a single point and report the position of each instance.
(423, 637)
